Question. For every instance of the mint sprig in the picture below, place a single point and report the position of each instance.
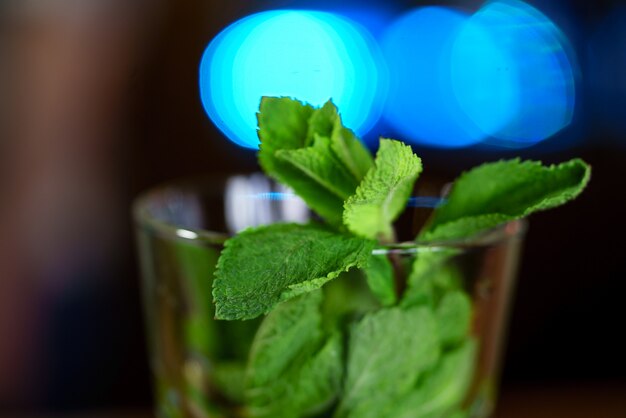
(319, 163)
(310, 151)
(453, 315)
(388, 350)
(494, 193)
(263, 266)
(408, 351)
(383, 194)
(379, 276)
(306, 375)
(443, 389)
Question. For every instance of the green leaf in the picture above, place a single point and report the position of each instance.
(383, 193)
(262, 266)
(503, 191)
(432, 275)
(292, 370)
(291, 328)
(457, 413)
(351, 151)
(454, 314)
(326, 122)
(319, 163)
(380, 278)
(322, 121)
(319, 380)
(443, 389)
(305, 389)
(310, 151)
(284, 125)
(388, 350)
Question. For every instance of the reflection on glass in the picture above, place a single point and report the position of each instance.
(254, 200)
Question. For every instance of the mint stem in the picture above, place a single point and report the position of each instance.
(399, 274)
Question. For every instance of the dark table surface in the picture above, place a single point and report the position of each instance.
(588, 401)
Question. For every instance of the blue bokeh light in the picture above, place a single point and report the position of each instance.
(504, 75)
(513, 73)
(606, 74)
(421, 103)
(312, 56)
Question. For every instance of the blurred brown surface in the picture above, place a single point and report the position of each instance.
(598, 401)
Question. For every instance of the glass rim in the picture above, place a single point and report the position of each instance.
(143, 218)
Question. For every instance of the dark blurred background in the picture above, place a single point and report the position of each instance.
(99, 100)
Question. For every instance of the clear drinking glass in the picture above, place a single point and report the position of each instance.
(198, 363)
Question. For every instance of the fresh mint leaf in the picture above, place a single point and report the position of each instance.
(262, 266)
(319, 380)
(420, 293)
(291, 328)
(322, 121)
(383, 193)
(326, 122)
(388, 350)
(319, 163)
(293, 370)
(431, 275)
(453, 314)
(457, 413)
(380, 278)
(308, 387)
(350, 150)
(503, 191)
(310, 151)
(435, 281)
(284, 125)
(415, 360)
(442, 390)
